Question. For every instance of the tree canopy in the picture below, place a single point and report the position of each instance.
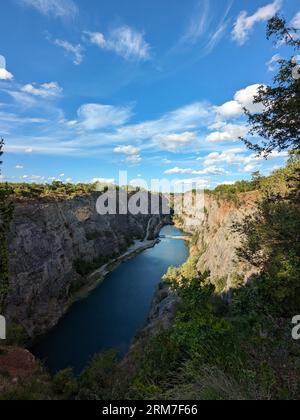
(278, 126)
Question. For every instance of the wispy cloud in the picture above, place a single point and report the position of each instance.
(126, 150)
(133, 159)
(216, 37)
(296, 21)
(56, 8)
(212, 170)
(203, 30)
(245, 22)
(75, 51)
(173, 141)
(98, 116)
(124, 41)
(273, 62)
(45, 90)
(198, 24)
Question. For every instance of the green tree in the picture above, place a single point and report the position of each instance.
(278, 126)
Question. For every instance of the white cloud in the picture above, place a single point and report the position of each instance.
(19, 167)
(245, 23)
(227, 183)
(96, 38)
(127, 150)
(235, 157)
(134, 159)
(250, 168)
(246, 96)
(229, 157)
(243, 98)
(296, 21)
(172, 130)
(173, 142)
(98, 126)
(57, 8)
(272, 64)
(132, 153)
(105, 181)
(23, 99)
(45, 90)
(275, 154)
(207, 171)
(4, 74)
(192, 183)
(129, 44)
(97, 116)
(124, 41)
(230, 109)
(230, 132)
(76, 51)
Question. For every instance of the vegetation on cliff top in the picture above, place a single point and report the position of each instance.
(57, 189)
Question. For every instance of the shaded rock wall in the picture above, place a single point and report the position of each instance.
(45, 240)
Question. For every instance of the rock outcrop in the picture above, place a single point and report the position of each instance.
(46, 241)
(215, 238)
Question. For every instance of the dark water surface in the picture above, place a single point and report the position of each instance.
(114, 312)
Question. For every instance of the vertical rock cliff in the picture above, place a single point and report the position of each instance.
(215, 240)
(52, 243)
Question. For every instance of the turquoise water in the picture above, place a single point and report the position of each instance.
(112, 314)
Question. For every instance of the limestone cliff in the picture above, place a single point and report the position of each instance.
(215, 238)
(46, 241)
(214, 244)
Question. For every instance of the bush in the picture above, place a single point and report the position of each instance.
(97, 381)
(65, 385)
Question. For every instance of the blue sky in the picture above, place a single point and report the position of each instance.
(88, 88)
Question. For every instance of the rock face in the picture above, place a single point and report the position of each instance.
(216, 244)
(216, 240)
(163, 309)
(47, 238)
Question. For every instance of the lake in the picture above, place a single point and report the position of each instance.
(114, 312)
